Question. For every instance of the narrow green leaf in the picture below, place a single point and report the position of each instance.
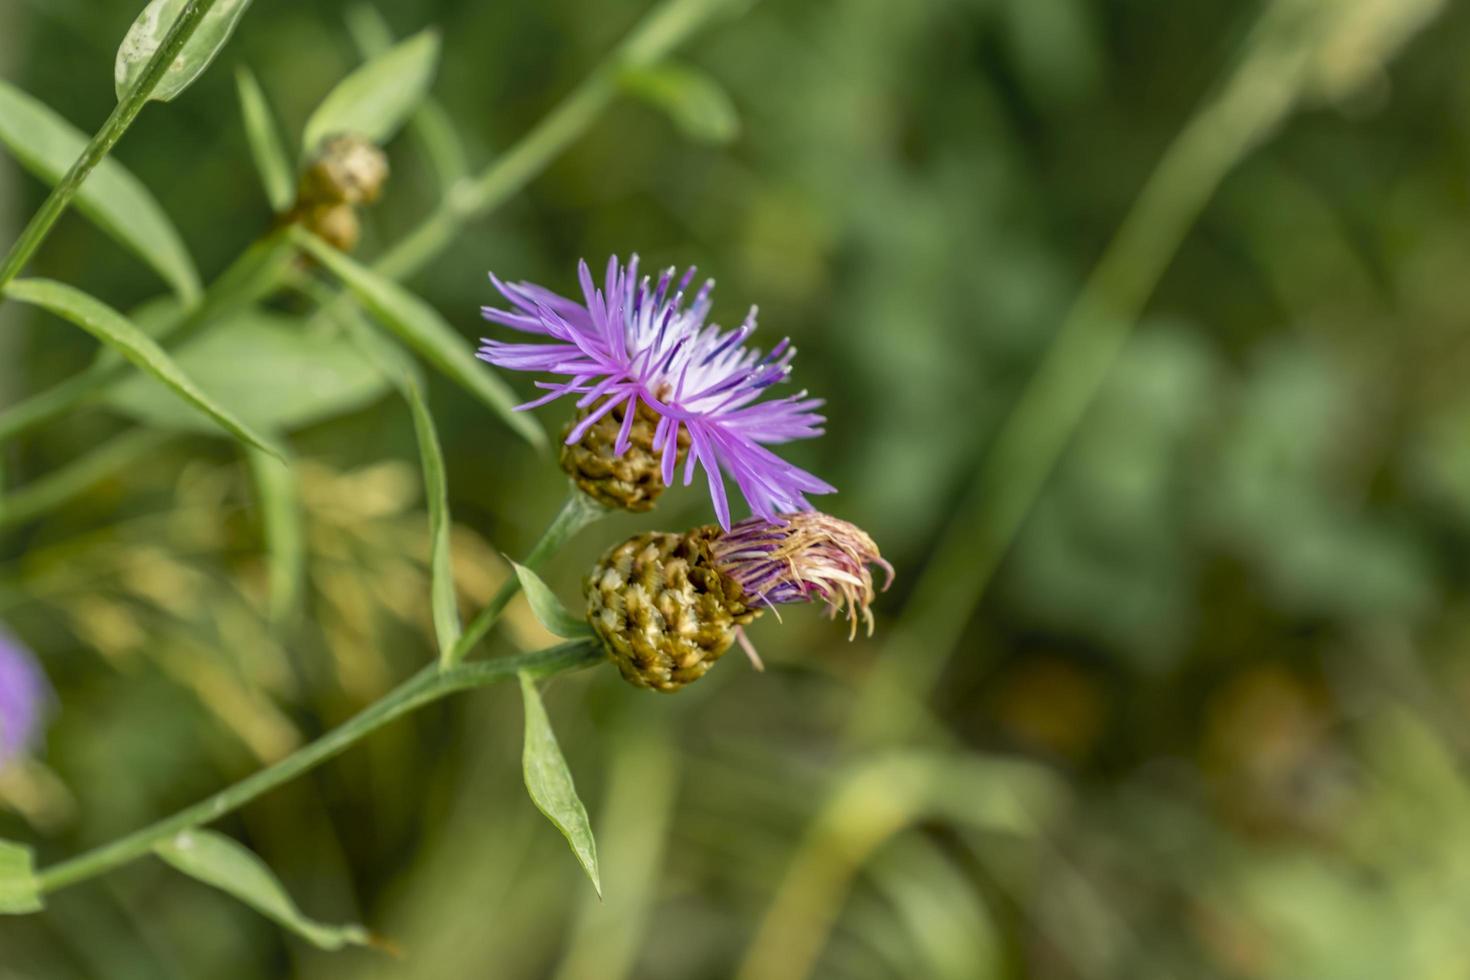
(431, 124)
(436, 489)
(417, 324)
(267, 368)
(376, 99)
(115, 200)
(285, 536)
(696, 102)
(111, 327)
(550, 782)
(548, 608)
(58, 488)
(146, 36)
(19, 892)
(218, 861)
(266, 147)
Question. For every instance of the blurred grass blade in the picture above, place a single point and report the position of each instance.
(430, 123)
(696, 103)
(423, 329)
(111, 327)
(19, 891)
(81, 474)
(146, 36)
(550, 782)
(218, 861)
(436, 489)
(548, 608)
(285, 535)
(266, 147)
(376, 99)
(115, 200)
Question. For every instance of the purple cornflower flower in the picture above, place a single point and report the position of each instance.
(23, 697)
(812, 557)
(633, 342)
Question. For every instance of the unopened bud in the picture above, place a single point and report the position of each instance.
(347, 169)
(667, 606)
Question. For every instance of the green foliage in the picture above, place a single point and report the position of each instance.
(550, 782)
(274, 372)
(218, 861)
(47, 145)
(436, 490)
(377, 98)
(115, 330)
(548, 608)
(19, 893)
(693, 100)
(146, 36)
(417, 324)
(266, 147)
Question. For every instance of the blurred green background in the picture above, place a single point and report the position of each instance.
(1207, 717)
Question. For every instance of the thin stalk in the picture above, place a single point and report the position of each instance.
(579, 511)
(428, 685)
(106, 138)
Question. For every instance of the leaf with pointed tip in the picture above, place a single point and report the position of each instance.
(19, 892)
(550, 782)
(696, 103)
(146, 36)
(111, 327)
(421, 327)
(548, 608)
(217, 860)
(116, 201)
(266, 147)
(377, 98)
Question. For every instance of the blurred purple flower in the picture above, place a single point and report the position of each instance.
(636, 341)
(23, 697)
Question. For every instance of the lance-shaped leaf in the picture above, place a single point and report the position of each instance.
(146, 36)
(548, 608)
(421, 327)
(441, 566)
(266, 147)
(115, 200)
(269, 369)
(218, 861)
(19, 892)
(550, 782)
(376, 99)
(696, 102)
(111, 327)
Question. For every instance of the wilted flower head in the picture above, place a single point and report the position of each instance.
(667, 606)
(810, 557)
(635, 343)
(23, 696)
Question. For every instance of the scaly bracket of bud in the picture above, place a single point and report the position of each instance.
(630, 481)
(347, 172)
(667, 606)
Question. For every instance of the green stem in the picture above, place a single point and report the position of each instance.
(122, 117)
(51, 491)
(429, 684)
(579, 511)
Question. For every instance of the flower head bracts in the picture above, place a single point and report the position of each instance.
(809, 557)
(635, 342)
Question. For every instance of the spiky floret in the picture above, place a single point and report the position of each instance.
(808, 557)
(636, 343)
(667, 606)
